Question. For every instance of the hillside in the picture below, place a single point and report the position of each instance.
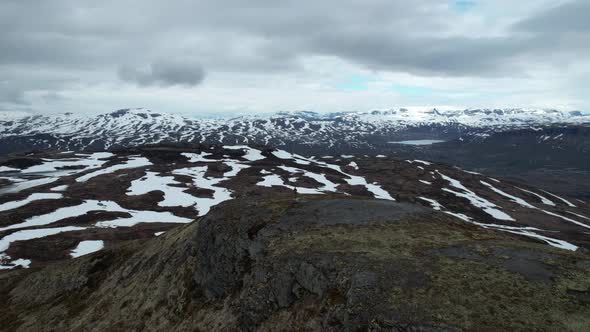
(310, 263)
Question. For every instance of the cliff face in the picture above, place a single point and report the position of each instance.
(309, 264)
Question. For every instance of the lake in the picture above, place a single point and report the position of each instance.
(419, 142)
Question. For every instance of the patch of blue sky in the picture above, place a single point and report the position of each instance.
(355, 83)
(462, 5)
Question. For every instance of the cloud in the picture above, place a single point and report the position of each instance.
(12, 95)
(74, 48)
(164, 73)
(569, 17)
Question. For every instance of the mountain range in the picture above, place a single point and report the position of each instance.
(133, 127)
(549, 148)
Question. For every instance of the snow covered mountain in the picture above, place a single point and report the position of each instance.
(476, 117)
(134, 127)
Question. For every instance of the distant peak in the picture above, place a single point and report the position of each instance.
(140, 112)
(303, 114)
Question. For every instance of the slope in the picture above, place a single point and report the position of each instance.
(316, 264)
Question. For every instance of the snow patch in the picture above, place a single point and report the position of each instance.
(91, 161)
(24, 263)
(470, 172)
(568, 203)
(281, 154)
(197, 157)
(271, 180)
(515, 199)
(353, 165)
(567, 219)
(94, 205)
(87, 247)
(487, 206)
(220, 194)
(543, 199)
(30, 234)
(354, 180)
(328, 186)
(251, 153)
(33, 197)
(173, 196)
(236, 167)
(434, 204)
(578, 215)
(60, 188)
(27, 184)
(523, 231)
(133, 162)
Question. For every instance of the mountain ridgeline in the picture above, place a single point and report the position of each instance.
(550, 148)
(336, 132)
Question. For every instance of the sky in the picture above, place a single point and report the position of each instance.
(261, 56)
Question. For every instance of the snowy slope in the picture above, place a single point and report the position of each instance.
(46, 202)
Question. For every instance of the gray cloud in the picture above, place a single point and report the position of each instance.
(570, 17)
(12, 95)
(95, 43)
(164, 73)
(449, 56)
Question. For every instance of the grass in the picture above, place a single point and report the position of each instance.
(470, 294)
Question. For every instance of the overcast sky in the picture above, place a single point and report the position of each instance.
(236, 56)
